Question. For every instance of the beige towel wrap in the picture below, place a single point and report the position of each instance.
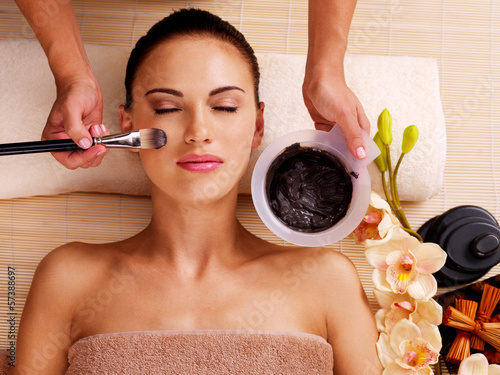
(201, 352)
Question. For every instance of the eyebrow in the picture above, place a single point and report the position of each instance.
(166, 91)
(223, 89)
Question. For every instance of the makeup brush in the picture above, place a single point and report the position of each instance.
(143, 138)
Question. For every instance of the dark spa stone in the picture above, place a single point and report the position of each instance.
(470, 236)
(308, 189)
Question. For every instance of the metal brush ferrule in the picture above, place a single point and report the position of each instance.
(124, 140)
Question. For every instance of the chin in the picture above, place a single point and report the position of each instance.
(212, 191)
(199, 188)
(197, 192)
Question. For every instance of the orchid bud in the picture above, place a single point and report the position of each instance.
(384, 126)
(380, 160)
(410, 136)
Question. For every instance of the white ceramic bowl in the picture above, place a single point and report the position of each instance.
(335, 143)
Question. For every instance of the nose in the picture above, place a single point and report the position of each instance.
(199, 130)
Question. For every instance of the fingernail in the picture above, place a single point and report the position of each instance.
(360, 152)
(84, 143)
(104, 129)
(97, 130)
(99, 153)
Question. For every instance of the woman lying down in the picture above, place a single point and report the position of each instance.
(195, 293)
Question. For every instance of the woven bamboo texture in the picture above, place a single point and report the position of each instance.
(463, 35)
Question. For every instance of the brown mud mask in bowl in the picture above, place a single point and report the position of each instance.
(309, 189)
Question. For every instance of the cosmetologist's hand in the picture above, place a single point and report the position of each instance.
(75, 113)
(330, 102)
(79, 99)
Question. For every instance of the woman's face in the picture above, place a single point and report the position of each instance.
(200, 91)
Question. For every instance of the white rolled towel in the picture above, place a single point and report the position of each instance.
(407, 86)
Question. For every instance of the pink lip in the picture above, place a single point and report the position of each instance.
(200, 163)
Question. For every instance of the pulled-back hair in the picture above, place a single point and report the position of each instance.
(189, 22)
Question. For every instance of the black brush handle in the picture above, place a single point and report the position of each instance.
(36, 147)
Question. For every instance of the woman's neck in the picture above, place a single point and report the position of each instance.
(195, 237)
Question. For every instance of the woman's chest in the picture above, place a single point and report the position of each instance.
(124, 304)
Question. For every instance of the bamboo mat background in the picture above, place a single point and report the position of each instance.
(462, 35)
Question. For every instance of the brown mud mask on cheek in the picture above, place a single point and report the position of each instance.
(308, 189)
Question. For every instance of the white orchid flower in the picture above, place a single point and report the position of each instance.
(395, 307)
(409, 349)
(477, 364)
(403, 264)
(378, 224)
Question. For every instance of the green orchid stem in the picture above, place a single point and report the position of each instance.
(392, 180)
(414, 234)
(395, 194)
(389, 168)
(394, 202)
(395, 176)
(388, 197)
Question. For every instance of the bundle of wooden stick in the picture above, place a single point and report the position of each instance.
(475, 324)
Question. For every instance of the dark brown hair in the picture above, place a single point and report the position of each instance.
(189, 22)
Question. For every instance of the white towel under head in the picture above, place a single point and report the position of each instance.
(407, 86)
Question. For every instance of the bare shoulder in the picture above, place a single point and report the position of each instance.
(61, 280)
(66, 270)
(317, 269)
(68, 255)
(329, 275)
(351, 328)
(337, 275)
(326, 263)
(75, 257)
(335, 266)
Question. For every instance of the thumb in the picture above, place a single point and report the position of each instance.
(75, 129)
(354, 138)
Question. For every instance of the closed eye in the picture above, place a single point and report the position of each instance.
(161, 111)
(226, 109)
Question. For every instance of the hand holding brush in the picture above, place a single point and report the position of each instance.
(136, 139)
